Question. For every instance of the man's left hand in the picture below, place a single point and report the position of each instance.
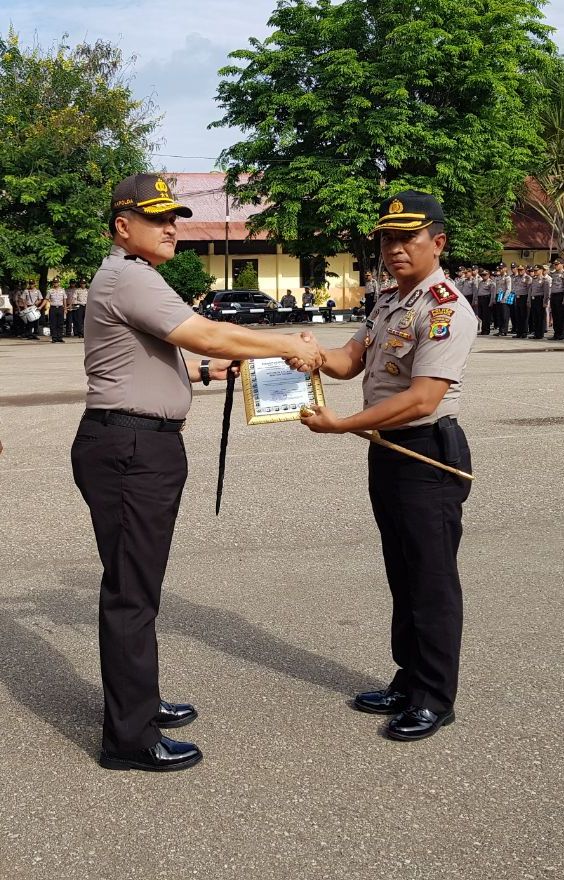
(219, 369)
(325, 421)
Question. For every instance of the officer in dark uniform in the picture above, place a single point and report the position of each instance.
(413, 353)
(521, 285)
(557, 299)
(539, 297)
(128, 455)
(485, 300)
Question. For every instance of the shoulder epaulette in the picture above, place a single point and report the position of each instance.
(389, 293)
(443, 293)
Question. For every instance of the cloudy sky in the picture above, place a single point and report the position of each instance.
(180, 45)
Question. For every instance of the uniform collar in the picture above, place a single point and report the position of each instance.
(435, 277)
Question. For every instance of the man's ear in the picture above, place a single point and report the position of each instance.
(122, 227)
(440, 242)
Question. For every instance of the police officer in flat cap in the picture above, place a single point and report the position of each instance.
(129, 460)
(557, 299)
(413, 352)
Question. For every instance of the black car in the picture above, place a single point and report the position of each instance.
(238, 306)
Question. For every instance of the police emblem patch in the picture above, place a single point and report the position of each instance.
(440, 323)
(392, 368)
(396, 207)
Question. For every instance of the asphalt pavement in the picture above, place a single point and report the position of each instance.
(273, 616)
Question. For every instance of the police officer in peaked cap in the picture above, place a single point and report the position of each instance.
(413, 353)
(129, 460)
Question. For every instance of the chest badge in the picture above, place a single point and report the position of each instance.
(407, 319)
(392, 369)
(393, 343)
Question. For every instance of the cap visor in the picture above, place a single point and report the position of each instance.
(163, 207)
(410, 226)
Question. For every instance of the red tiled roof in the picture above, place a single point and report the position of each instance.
(204, 194)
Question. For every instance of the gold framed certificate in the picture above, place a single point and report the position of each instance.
(275, 393)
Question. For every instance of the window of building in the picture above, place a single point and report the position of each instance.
(312, 271)
(239, 265)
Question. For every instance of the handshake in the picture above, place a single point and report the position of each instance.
(308, 356)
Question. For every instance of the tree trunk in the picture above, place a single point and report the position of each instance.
(43, 273)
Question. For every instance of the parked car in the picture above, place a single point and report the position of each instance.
(238, 306)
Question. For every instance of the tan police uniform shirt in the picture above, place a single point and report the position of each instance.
(418, 336)
(30, 297)
(129, 366)
(57, 296)
(82, 295)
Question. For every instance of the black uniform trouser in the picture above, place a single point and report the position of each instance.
(71, 321)
(503, 318)
(32, 329)
(521, 314)
(557, 309)
(79, 321)
(132, 482)
(56, 322)
(418, 510)
(485, 314)
(538, 316)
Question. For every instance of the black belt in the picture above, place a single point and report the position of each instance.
(127, 420)
(399, 434)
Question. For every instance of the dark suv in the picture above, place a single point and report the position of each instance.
(238, 306)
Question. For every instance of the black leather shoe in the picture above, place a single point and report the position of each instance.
(165, 756)
(416, 723)
(175, 714)
(384, 702)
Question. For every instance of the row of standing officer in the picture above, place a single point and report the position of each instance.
(67, 309)
(523, 294)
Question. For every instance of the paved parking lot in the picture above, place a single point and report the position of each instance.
(273, 616)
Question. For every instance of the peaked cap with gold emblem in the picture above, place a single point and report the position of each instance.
(410, 210)
(147, 194)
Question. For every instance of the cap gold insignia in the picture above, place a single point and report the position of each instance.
(161, 186)
(396, 207)
(392, 369)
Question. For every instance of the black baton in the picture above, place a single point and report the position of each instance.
(225, 434)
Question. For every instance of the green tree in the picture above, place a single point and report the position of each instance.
(186, 275)
(247, 278)
(69, 130)
(344, 105)
(546, 194)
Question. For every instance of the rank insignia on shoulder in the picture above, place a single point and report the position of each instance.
(442, 293)
(415, 297)
(392, 368)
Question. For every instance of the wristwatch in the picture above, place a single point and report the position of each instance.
(205, 371)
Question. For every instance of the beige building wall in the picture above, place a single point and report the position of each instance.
(280, 272)
(516, 256)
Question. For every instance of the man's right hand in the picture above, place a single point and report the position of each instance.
(307, 356)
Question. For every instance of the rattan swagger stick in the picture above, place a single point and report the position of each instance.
(374, 437)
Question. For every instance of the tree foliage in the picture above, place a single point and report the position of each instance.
(69, 130)
(186, 275)
(548, 197)
(344, 105)
(247, 279)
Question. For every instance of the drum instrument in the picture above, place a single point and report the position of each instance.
(30, 314)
